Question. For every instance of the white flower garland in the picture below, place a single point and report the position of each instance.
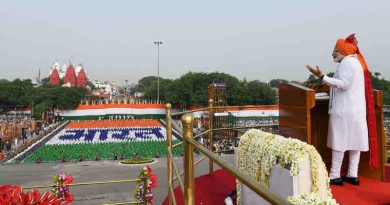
(311, 199)
(259, 151)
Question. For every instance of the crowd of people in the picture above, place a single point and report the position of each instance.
(386, 122)
(257, 122)
(34, 143)
(7, 119)
(221, 145)
(10, 132)
(15, 131)
(118, 117)
(225, 143)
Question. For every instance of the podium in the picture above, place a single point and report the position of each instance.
(304, 117)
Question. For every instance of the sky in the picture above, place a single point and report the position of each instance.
(256, 40)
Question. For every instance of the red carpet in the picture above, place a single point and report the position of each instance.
(387, 173)
(211, 190)
(369, 192)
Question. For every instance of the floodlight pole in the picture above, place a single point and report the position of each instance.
(158, 43)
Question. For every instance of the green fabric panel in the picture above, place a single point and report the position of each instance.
(71, 152)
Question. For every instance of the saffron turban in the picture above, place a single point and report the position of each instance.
(349, 46)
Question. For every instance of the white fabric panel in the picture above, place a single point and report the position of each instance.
(160, 111)
(113, 111)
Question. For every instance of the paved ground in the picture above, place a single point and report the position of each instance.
(42, 174)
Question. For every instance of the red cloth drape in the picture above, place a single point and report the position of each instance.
(371, 119)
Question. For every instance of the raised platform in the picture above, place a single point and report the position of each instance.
(213, 189)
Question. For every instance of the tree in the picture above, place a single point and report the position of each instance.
(146, 82)
(45, 80)
(276, 82)
(315, 80)
(192, 89)
(14, 94)
(132, 89)
(189, 89)
(235, 89)
(381, 84)
(39, 110)
(91, 85)
(69, 97)
(150, 92)
(259, 93)
(7, 99)
(22, 94)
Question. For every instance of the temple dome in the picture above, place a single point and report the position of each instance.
(70, 76)
(81, 78)
(54, 78)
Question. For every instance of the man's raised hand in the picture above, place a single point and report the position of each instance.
(316, 71)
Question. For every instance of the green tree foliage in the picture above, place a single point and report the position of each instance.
(189, 89)
(13, 94)
(45, 80)
(150, 91)
(146, 82)
(39, 109)
(89, 83)
(192, 89)
(22, 94)
(276, 82)
(69, 97)
(235, 88)
(259, 93)
(315, 80)
(381, 84)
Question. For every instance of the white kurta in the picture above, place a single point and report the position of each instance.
(347, 107)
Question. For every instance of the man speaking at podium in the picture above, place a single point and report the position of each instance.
(351, 111)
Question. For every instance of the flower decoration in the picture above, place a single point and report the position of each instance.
(260, 151)
(10, 195)
(146, 181)
(311, 199)
(61, 187)
(152, 178)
